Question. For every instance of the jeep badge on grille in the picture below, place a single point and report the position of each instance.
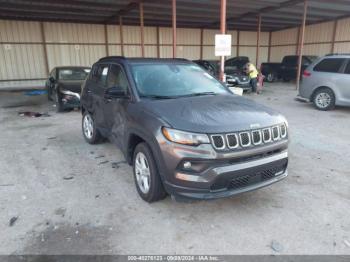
(252, 126)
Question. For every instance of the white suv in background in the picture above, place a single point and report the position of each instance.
(326, 82)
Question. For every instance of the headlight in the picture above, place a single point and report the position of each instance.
(185, 138)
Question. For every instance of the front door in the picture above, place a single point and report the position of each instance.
(115, 108)
(97, 88)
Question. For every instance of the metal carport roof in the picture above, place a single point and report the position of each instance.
(242, 15)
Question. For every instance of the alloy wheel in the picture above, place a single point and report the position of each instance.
(323, 100)
(88, 126)
(143, 173)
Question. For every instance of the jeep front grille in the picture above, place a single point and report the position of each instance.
(275, 133)
(283, 130)
(249, 138)
(244, 139)
(232, 141)
(218, 141)
(256, 137)
(267, 135)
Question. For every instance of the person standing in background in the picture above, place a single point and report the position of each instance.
(253, 73)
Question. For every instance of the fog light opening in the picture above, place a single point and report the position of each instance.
(187, 165)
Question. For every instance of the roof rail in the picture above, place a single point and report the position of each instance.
(111, 57)
(338, 54)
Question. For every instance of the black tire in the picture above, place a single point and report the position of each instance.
(96, 137)
(49, 93)
(328, 101)
(58, 102)
(156, 190)
(270, 77)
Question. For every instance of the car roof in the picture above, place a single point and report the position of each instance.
(137, 60)
(337, 56)
(72, 67)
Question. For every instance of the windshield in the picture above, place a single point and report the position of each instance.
(73, 73)
(174, 80)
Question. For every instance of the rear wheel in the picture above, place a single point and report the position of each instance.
(147, 179)
(90, 132)
(324, 99)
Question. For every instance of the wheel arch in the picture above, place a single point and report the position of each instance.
(133, 140)
(323, 87)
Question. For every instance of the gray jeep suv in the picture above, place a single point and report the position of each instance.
(182, 131)
(326, 82)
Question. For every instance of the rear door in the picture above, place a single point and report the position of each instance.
(329, 72)
(344, 83)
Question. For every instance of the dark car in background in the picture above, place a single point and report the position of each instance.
(64, 86)
(235, 73)
(287, 70)
(234, 70)
(211, 66)
(184, 133)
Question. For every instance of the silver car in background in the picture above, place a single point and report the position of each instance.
(326, 82)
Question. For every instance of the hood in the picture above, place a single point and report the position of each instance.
(74, 86)
(213, 114)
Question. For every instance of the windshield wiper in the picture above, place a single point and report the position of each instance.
(200, 94)
(157, 97)
(179, 96)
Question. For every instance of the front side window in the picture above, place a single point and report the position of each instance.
(174, 80)
(100, 74)
(73, 73)
(329, 65)
(117, 78)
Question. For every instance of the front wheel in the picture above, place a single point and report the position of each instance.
(270, 77)
(49, 93)
(58, 102)
(90, 132)
(324, 99)
(146, 175)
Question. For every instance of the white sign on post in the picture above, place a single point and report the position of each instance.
(223, 45)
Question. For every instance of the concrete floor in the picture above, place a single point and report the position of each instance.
(70, 200)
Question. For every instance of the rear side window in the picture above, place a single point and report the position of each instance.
(347, 68)
(329, 65)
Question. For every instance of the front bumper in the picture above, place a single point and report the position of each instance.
(237, 81)
(70, 99)
(215, 175)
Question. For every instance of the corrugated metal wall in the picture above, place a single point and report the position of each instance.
(22, 51)
(318, 40)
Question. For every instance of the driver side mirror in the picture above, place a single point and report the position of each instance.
(51, 79)
(116, 92)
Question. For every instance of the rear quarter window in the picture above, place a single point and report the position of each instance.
(329, 65)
